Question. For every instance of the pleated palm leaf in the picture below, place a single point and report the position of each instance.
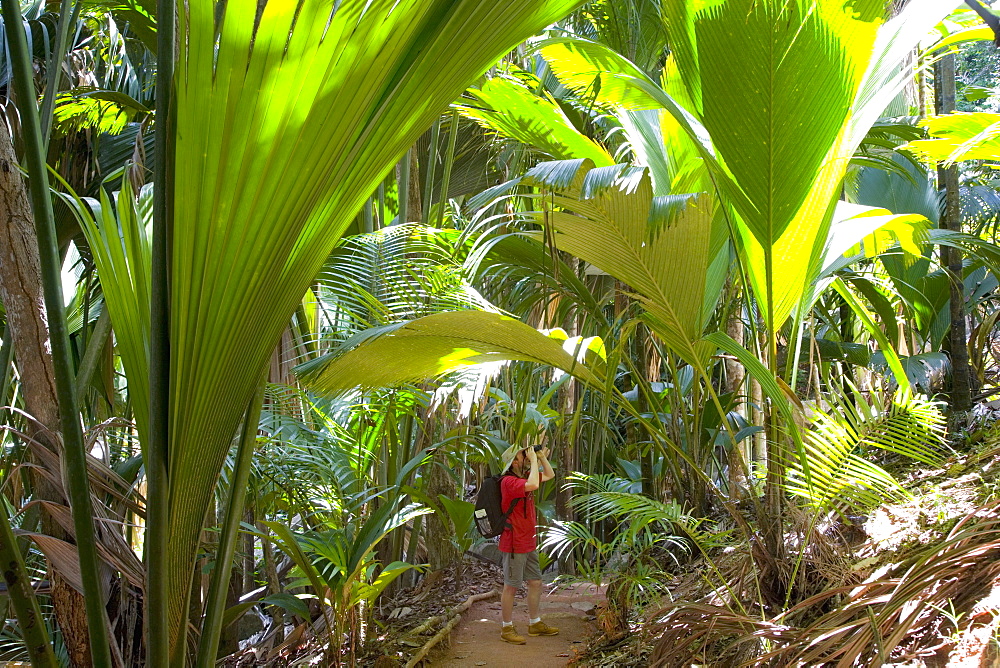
(437, 344)
(959, 136)
(287, 118)
(508, 108)
(402, 311)
(670, 288)
(633, 28)
(826, 73)
(116, 234)
(340, 564)
(778, 137)
(608, 217)
(394, 274)
(520, 274)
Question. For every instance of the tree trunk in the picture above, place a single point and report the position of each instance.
(21, 293)
(741, 454)
(273, 582)
(961, 391)
(441, 552)
(567, 443)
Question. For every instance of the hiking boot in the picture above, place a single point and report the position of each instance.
(540, 628)
(509, 634)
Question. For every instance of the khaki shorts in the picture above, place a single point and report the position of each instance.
(520, 567)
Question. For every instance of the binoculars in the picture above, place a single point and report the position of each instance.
(537, 448)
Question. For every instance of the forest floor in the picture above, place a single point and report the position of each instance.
(476, 641)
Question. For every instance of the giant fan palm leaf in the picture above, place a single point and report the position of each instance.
(288, 115)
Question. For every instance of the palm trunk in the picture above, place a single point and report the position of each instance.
(961, 392)
(568, 443)
(414, 203)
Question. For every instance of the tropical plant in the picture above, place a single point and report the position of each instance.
(838, 446)
(646, 533)
(866, 622)
(340, 565)
(677, 213)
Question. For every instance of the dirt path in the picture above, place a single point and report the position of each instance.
(476, 641)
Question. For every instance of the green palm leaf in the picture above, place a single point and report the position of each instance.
(780, 127)
(285, 123)
(603, 217)
(397, 273)
(511, 110)
(959, 136)
(117, 236)
(840, 474)
(661, 132)
(436, 344)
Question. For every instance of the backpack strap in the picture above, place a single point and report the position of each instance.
(506, 515)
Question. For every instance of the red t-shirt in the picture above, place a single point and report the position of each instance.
(520, 537)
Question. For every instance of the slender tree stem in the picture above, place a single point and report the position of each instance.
(74, 454)
(211, 628)
(92, 353)
(158, 641)
(367, 217)
(403, 189)
(449, 163)
(432, 158)
(951, 258)
(54, 65)
(22, 596)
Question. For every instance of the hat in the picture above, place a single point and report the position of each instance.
(507, 458)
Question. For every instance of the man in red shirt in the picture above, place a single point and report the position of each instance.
(517, 543)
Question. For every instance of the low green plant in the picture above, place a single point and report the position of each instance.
(464, 535)
(340, 566)
(647, 534)
(837, 472)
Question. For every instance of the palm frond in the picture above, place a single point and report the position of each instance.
(837, 449)
(430, 346)
(287, 119)
(506, 107)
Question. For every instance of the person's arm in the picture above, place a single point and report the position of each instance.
(531, 484)
(543, 458)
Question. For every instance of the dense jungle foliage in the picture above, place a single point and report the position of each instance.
(281, 280)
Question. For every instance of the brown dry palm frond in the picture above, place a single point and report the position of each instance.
(868, 623)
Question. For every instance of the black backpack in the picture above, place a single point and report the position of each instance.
(489, 515)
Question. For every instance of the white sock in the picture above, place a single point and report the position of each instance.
(508, 623)
(535, 620)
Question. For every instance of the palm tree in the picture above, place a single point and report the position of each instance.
(292, 179)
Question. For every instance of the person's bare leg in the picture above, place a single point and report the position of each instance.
(534, 596)
(507, 602)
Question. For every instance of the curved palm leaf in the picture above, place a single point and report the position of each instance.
(117, 236)
(434, 345)
(780, 175)
(604, 218)
(508, 108)
(959, 136)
